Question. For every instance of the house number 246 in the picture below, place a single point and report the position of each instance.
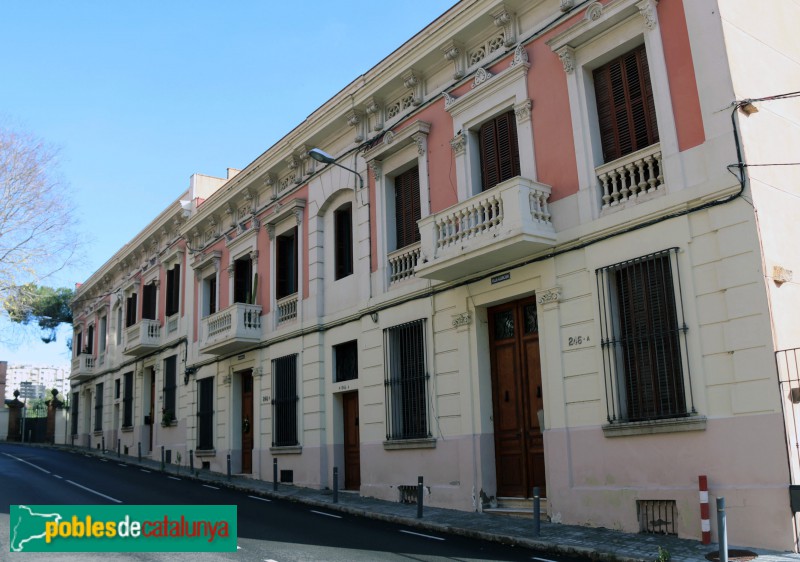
(578, 340)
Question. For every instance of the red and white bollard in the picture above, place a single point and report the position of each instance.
(705, 522)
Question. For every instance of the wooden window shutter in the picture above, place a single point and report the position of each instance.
(406, 207)
(499, 150)
(286, 276)
(625, 106)
(343, 234)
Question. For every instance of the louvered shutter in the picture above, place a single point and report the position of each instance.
(407, 207)
(499, 150)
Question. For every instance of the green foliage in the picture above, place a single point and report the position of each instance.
(663, 555)
(46, 306)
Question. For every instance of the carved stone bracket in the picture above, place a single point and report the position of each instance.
(594, 11)
(356, 120)
(647, 9)
(448, 100)
(377, 168)
(506, 19)
(459, 144)
(375, 112)
(422, 142)
(412, 80)
(454, 52)
(549, 296)
(462, 319)
(567, 5)
(523, 111)
(257, 372)
(520, 56)
(567, 56)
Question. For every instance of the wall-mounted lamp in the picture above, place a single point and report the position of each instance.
(321, 156)
(374, 316)
(188, 373)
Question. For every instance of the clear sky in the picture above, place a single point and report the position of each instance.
(140, 94)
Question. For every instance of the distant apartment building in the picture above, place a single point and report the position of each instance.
(551, 251)
(3, 370)
(36, 381)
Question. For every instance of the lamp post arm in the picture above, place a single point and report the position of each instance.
(360, 179)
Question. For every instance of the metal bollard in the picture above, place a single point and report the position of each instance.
(229, 467)
(419, 497)
(537, 521)
(119, 442)
(722, 530)
(335, 484)
(103, 444)
(140, 451)
(274, 475)
(191, 460)
(162, 457)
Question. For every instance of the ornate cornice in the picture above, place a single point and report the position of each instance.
(481, 76)
(459, 144)
(549, 296)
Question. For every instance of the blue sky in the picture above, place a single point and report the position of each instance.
(139, 95)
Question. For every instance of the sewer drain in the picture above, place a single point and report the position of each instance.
(734, 555)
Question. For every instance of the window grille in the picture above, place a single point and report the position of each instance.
(345, 357)
(643, 338)
(98, 407)
(657, 517)
(127, 401)
(284, 401)
(205, 414)
(406, 382)
(74, 412)
(170, 384)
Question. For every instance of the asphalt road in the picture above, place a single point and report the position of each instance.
(268, 530)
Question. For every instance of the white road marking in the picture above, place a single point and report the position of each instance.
(122, 464)
(103, 460)
(542, 559)
(28, 463)
(173, 478)
(212, 487)
(259, 499)
(269, 560)
(94, 492)
(143, 470)
(421, 535)
(325, 514)
(59, 477)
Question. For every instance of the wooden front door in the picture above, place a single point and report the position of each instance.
(517, 398)
(352, 443)
(152, 407)
(247, 422)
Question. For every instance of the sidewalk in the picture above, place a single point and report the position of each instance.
(594, 543)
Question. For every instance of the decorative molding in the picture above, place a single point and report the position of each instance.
(396, 141)
(459, 144)
(375, 109)
(520, 56)
(567, 56)
(355, 119)
(231, 269)
(647, 9)
(567, 5)
(454, 52)
(549, 296)
(594, 11)
(271, 231)
(422, 142)
(294, 164)
(388, 138)
(462, 319)
(377, 168)
(271, 183)
(413, 81)
(257, 372)
(448, 99)
(523, 111)
(481, 76)
(507, 20)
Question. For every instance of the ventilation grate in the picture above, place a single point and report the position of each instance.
(657, 517)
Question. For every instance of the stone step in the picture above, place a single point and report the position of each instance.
(518, 507)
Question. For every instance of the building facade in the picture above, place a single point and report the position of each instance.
(550, 253)
(33, 381)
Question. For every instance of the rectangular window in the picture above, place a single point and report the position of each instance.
(89, 343)
(643, 338)
(499, 148)
(103, 333)
(98, 407)
(130, 310)
(286, 261)
(172, 305)
(210, 295)
(119, 325)
(626, 111)
(243, 280)
(205, 414)
(406, 382)
(74, 412)
(284, 401)
(78, 343)
(127, 401)
(170, 411)
(345, 361)
(343, 240)
(406, 208)
(116, 388)
(149, 297)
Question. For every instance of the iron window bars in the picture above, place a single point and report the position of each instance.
(284, 401)
(406, 382)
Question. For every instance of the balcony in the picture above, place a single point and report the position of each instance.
(631, 178)
(232, 329)
(142, 337)
(496, 227)
(286, 308)
(402, 263)
(82, 368)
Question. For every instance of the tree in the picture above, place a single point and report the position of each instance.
(37, 230)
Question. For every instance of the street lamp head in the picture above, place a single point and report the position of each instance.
(321, 156)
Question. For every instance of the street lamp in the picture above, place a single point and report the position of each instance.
(321, 156)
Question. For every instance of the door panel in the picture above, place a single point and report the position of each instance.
(352, 442)
(517, 398)
(247, 422)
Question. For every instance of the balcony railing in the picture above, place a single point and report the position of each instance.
(82, 367)
(500, 225)
(286, 308)
(172, 324)
(402, 262)
(234, 328)
(629, 178)
(142, 337)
